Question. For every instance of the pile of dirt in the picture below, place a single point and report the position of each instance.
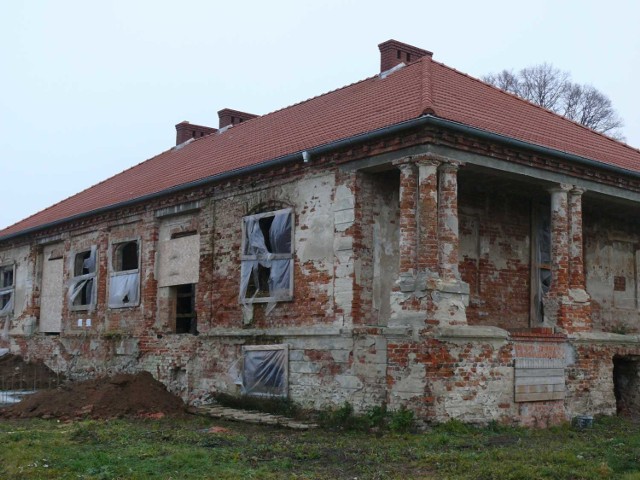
(17, 374)
(122, 395)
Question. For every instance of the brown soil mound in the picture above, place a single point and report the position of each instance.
(123, 395)
(16, 374)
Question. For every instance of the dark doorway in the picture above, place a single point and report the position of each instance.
(626, 385)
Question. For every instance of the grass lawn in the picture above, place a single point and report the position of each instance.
(185, 449)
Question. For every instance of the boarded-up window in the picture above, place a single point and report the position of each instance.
(124, 279)
(53, 293)
(265, 370)
(179, 261)
(539, 379)
(267, 257)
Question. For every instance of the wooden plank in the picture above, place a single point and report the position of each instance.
(539, 388)
(537, 397)
(539, 380)
(539, 372)
(526, 362)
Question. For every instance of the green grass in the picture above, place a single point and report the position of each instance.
(185, 449)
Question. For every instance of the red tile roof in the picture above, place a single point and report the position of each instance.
(365, 106)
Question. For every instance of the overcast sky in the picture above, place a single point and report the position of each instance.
(88, 89)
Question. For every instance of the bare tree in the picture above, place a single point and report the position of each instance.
(553, 89)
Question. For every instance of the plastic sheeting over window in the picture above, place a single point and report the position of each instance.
(123, 290)
(6, 290)
(124, 280)
(267, 263)
(265, 370)
(6, 302)
(6, 298)
(81, 288)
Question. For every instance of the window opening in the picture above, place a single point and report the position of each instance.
(265, 370)
(128, 256)
(185, 309)
(124, 278)
(541, 262)
(6, 289)
(82, 288)
(267, 260)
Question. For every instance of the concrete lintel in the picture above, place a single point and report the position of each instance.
(471, 332)
(179, 209)
(384, 158)
(59, 237)
(533, 172)
(603, 337)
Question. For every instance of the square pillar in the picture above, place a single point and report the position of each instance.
(429, 280)
(568, 300)
(576, 258)
(559, 240)
(408, 218)
(577, 315)
(448, 237)
(428, 216)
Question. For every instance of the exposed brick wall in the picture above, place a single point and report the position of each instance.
(495, 231)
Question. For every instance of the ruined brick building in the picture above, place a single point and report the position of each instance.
(417, 238)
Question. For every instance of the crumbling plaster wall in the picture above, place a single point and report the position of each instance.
(612, 253)
(311, 199)
(448, 374)
(379, 255)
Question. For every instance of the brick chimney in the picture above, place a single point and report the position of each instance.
(186, 131)
(233, 117)
(393, 53)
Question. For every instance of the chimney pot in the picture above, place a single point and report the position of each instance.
(186, 131)
(228, 117)
(393, 52)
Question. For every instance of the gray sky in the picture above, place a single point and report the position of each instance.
(89, 89)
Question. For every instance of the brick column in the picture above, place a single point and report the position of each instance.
(576, 260)
(428, 215)
(559, 241)
(408, 220)
(568, 299)
(577, 314)
(448, 241)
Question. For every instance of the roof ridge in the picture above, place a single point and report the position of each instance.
(471, 77)
(427, 104)
(372, 77)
